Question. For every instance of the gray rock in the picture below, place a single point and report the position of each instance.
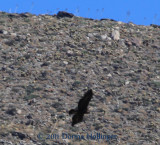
(103, 37)
(62, 14)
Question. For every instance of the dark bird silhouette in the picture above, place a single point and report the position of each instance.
(82, 108)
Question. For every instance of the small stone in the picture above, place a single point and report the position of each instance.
(14, 34)
(158, 109)
(31, 101)
(104, 36)
(88, 38)
(109, 43)
(116, 28)
(66, 140)
(90, 35)
(19, 111)
(136, 42)
(109, 75)
(5, 32)
(29, 116)
(108, 38)
(119, 22)
(65, 62)
(70, 52)
(127, 82)
(122, 43)
(29, 122)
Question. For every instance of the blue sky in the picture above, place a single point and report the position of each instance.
(141, 12)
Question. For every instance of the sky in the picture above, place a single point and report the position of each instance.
(140, 12)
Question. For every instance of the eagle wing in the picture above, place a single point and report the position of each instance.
(83, 103)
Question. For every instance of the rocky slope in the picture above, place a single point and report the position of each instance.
(48, 62)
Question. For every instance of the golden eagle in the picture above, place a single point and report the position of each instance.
(82, 108)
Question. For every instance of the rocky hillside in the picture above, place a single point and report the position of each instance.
(47, 62)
